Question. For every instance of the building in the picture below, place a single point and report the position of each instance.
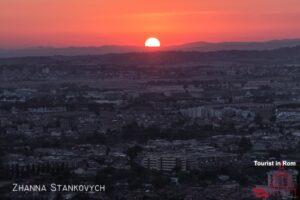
(283, 182)
(168, 163)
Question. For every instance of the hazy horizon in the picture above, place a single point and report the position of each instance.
(142, 46)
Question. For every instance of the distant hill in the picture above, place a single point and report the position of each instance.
(281, 56)
(206, 46)
(287, 55)
(196, 46)
(69, 51)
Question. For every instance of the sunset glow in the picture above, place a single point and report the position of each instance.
(122, 22)
(152, 42)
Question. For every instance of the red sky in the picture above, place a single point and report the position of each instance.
(60, 23)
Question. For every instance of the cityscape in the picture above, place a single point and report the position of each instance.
(157, 125)
(149, 100)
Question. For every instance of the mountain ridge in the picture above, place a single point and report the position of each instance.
(200, 46)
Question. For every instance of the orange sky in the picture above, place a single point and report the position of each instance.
(129, 22)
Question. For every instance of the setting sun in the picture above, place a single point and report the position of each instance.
(152, 42)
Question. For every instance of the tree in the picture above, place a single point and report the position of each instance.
(132, 153)
(245, 144)
(258, 119)
(159, 181)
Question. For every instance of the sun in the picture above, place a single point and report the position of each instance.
(152, 42)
